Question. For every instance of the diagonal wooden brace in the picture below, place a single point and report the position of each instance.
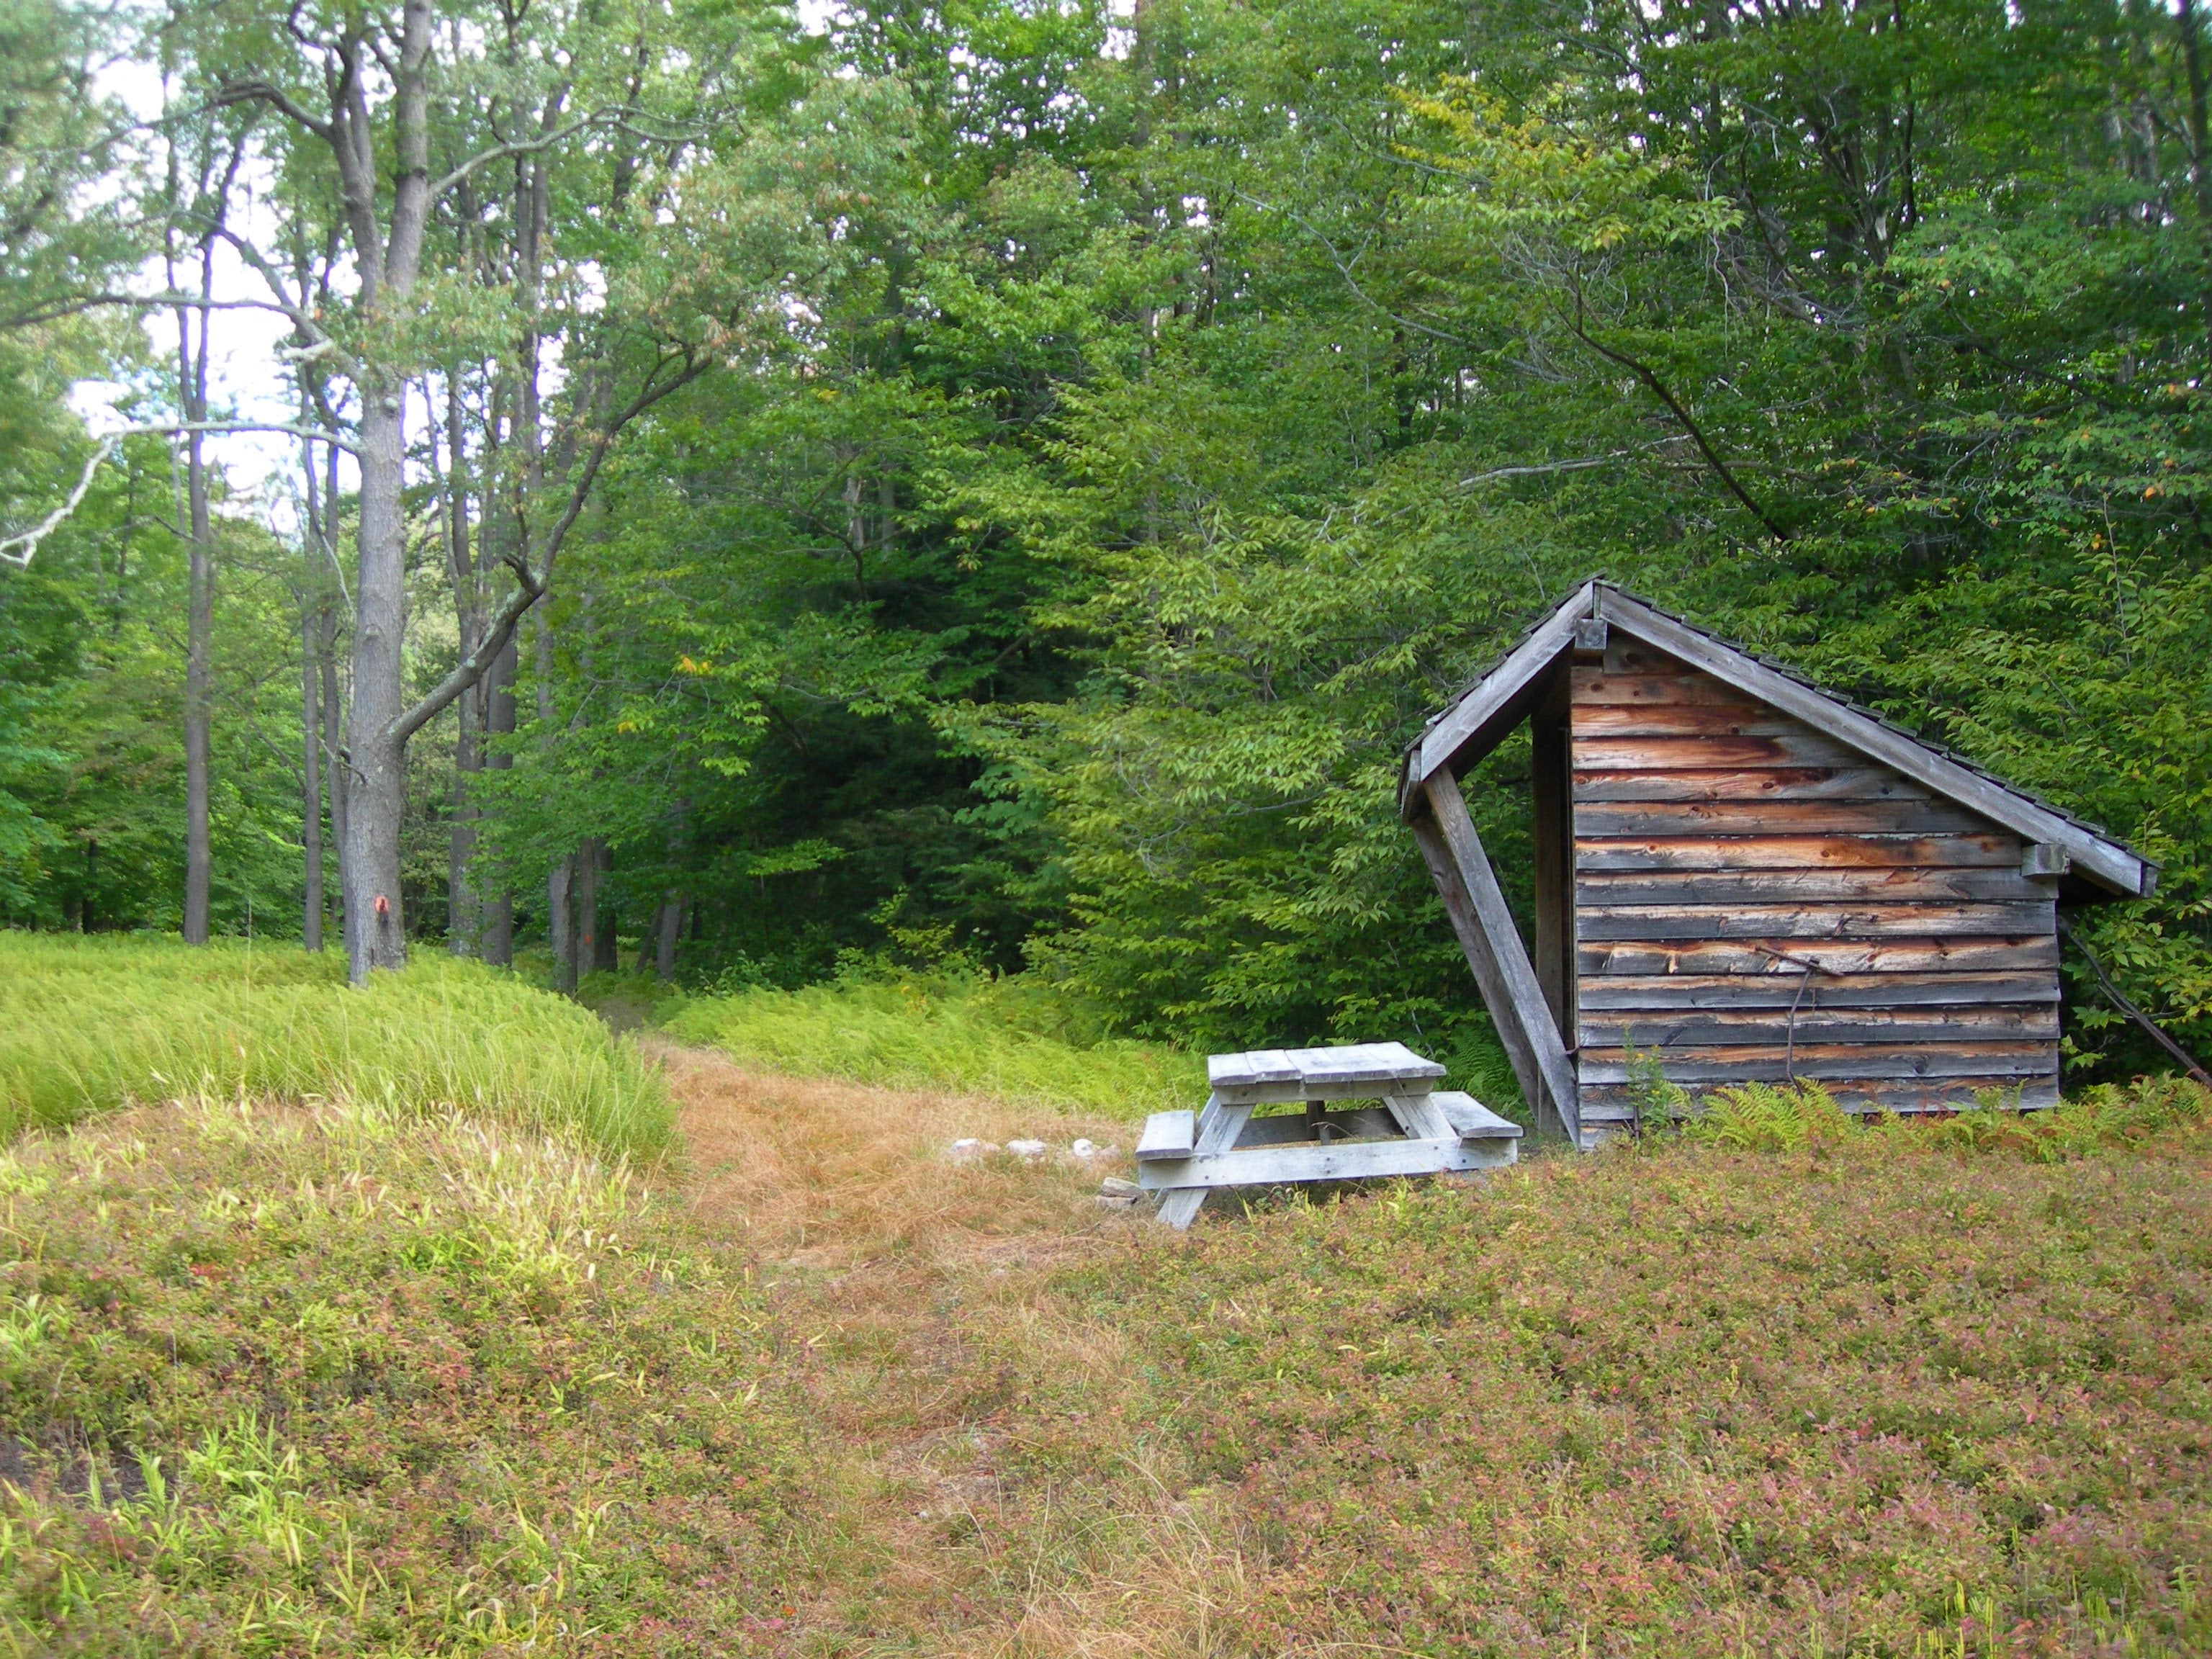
(1503, 972)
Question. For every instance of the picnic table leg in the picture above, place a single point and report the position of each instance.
(1219, 1128)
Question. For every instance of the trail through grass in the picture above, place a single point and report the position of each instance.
(87, 1024)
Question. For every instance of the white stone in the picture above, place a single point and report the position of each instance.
(1026, 1148)
(968, 1149)
(1082, 1147)
(1115, 1187)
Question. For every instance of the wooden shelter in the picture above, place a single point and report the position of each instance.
(1741, 877)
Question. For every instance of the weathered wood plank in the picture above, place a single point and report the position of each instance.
(1891, 884)
(1660, 923)
(1470, 1119)
(1363, 1062)
(2109, 862)
(1601, 685)
(1493, 949)
(1754, 783)
(1612, 1105)
(1220, 1126)
(1762, 817)
(1639, 992)
(1996, 851)
(1167, 1134)
(1768, 1062)
(1693, 1028)
(1683, 719)
(1788, 748)
(2017, 953)
(1255, 1065)
(1343, 1160)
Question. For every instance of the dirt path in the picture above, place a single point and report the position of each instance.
(902, 1277)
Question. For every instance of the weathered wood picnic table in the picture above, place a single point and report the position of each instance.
(1417, 1129)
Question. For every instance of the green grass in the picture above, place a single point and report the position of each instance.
(348, 1381)
(1007, 1037)
(87, 1024)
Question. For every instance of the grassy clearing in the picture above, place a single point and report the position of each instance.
(1883, 1396)
(90, 1024)
(1004, 1037)
(344, 1381)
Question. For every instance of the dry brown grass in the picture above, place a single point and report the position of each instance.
(902, 1278)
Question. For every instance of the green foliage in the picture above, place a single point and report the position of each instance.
(1015, 1037)
(2103, 1117)
(89, 1024)
(1768, 1117)
(372, 1379)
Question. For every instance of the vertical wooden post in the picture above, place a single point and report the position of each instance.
(1502, 969)
(1551, 821)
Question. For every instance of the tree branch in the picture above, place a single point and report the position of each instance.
(30, 540)
(20, 551)
(533, 586)
(1658, 389)
(520, 146)
(262, 92)
(159, 301)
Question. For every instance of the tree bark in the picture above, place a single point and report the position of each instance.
(464, 903)
(334, 761)
(668, 929)
(311, 786)
(498, 934)
(376, 924)
(199, 618)
(605, 923)
(561, 921)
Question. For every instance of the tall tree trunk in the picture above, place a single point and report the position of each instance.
(668, 927)
(561, 921)
(199, 617)
(606, 944)
(498, 933)
(588, 905)
(311, 784)
(464, 903)
(376, 797)
(334, 760)
(199, 627)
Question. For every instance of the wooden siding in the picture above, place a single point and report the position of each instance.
(1755, 901)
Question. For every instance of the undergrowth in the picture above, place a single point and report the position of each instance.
(2105, 1117)
(1010, 1036)
(1871, 1397)
(87, 1024)
(346, 1380)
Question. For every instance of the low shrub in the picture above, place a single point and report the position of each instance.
(348, 1380)
(1011, 1037)
(86, 1024)
(1869, 1397)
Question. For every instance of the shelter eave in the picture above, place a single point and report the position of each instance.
(1473, 723)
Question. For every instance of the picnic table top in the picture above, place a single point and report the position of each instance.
(1357, 1062)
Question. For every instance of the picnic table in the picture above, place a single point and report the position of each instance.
(1416, 1128)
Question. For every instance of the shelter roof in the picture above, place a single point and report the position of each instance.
(1475, 722)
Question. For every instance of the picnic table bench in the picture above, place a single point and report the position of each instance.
(1417, 1129)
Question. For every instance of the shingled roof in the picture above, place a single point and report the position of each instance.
(1473, 723)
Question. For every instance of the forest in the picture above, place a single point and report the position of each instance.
(741, 494)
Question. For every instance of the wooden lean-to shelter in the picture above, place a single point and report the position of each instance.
(1739, 877)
